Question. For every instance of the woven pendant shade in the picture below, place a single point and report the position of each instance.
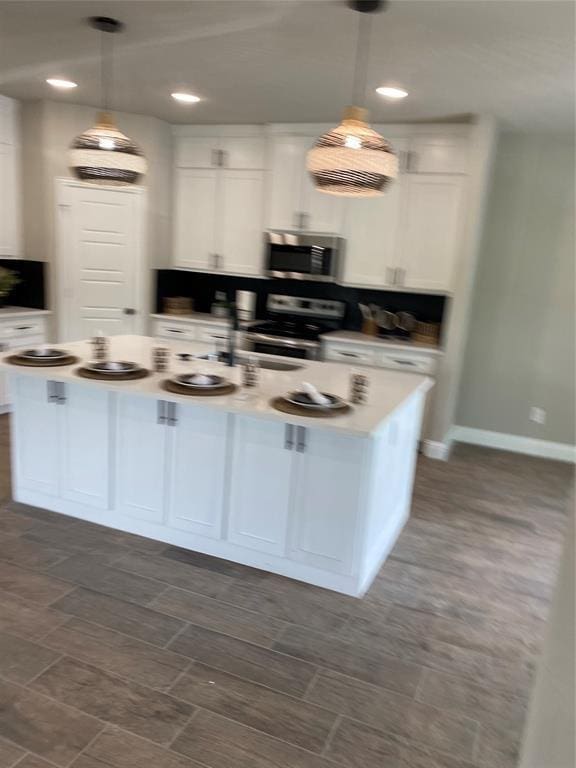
(104, 155)
(352, 160)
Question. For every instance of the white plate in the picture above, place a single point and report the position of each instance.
(302, 400)
(216, 382)
(113, 367)
(44, 354)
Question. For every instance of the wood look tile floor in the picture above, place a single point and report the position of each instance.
(121, 652)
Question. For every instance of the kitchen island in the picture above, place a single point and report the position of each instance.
(321, 500)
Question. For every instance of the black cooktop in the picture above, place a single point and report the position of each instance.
(291, 329)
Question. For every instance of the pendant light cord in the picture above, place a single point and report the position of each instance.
(105, 69)
(361, 63)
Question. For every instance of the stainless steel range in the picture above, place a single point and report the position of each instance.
(294, 326)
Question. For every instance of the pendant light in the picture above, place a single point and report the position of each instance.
(103, 154)
(352, 160)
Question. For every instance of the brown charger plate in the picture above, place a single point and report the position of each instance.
(180, 389)
(86, 373)
(28, 362)
(280, 404)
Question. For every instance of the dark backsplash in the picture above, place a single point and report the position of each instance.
(30, 292)
(201, 287)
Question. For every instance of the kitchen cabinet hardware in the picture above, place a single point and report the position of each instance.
(60, 393)
(405, 362)
(223, 158)
(411, 161)
(23, 327)
(171, 418)
(289, 437)
(305, 221)
(390, 275)
(215, 157)
(51, 391)
(349, 354)
(161, 412)
(129, 311)
(301, 439)
(399, 276)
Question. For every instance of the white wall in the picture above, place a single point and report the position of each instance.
(521, 346)
(549, 732)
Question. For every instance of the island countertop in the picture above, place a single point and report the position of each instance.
(387, 389)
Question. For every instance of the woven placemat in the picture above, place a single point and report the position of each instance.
(280, 404)
(179, 389)
(28, 363)
(86, 373)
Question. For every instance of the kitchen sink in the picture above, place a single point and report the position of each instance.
(271, 365)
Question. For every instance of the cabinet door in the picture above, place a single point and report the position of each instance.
(261, 477)
(240, 217)
(195, 218)
(371, 232)
(197, 470)
(432, 211)
(328, 479)
(140, 459)
(36, 435)
(322, 212)
(243, 152)
(439, 154)
(9, 201)
(86, 449)
(196, 152)
(288, 153)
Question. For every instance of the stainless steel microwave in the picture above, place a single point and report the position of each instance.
(303, 255)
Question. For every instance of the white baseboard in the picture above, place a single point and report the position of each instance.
(516, 443)
(434, 449)
(5, 409)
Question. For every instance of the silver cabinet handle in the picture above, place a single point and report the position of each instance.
(161, 412)
(23, 327)
(390, 275)
(301, 439)
(171, 418)
(129, 311)
(348, 354)
(289, 437)
(411, 161)
(304, 221)
(405, 362)
(223, 158)
(51, 391)
(399, 276)
(215, 157)
(60, 393)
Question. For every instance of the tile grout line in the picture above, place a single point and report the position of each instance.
(46, 668)
(328, 742)
(87, 747)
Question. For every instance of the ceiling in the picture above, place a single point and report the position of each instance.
(255, 61)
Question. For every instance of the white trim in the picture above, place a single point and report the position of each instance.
(5, 408)
(531, 446)
(434, 449)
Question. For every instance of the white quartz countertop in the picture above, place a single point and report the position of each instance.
(355, 337)
(7, 313)
(196, 317)
(387, 389)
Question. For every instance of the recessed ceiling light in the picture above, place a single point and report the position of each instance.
(392, 93)
(185, 98)
(56, 82)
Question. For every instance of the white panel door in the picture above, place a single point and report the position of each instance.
(140, 458)
(195, 218)
(328, 480)
(371, 232)
(86, 449)
(432, 211)
(9, 201)
(239, 238)
(260, 487)
(197, 470)
(36, 435)
(101, 260)
(286, 183)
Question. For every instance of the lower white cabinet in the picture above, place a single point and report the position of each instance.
(62, 440)
(260, 484)
(25, 331)
(294, 492)
(171, 463)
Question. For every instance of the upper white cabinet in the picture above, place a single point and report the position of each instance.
(294, 202)
(10, 202)
(431, 222)
(437, 154)
(220, 200)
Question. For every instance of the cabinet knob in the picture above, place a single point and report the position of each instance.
(129, 311)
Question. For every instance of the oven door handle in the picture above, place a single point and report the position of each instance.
(280, 341)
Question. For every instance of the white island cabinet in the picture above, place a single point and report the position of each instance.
(320, 500)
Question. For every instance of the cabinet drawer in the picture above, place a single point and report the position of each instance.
(212, 334)
(170, 331)
(21, 328)
(19, 342)
(352, 355)
(408, 362)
